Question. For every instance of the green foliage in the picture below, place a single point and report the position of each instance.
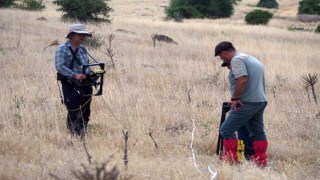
(318, 29)
(84, 10)
(185, 12)
(93, 127)
(200, 8)
(268, 4)
(258, 17)
(309, 7)
(221, 8)
(6, 3)
(208, 126)
(94, 42)
(177, 16)
(299, 29)
(33, 5)
(235, 1)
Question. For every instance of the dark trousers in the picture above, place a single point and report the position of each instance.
(250, 115)
(78, 107)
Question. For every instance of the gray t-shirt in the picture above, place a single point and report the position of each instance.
(245, 65)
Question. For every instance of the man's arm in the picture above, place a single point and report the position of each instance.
(241, 84)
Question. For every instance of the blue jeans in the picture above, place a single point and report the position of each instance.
(250, 115)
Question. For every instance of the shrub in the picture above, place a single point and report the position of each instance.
(94, 42)
(299, 29)
(309, 7)
(6, 3)
(235, 1)
(177, 16)
(318, 29)
(258, 17)
(221, 8)
(84, 10)
(33, 5)
(200, 8)
(268, 4)
(187, 12)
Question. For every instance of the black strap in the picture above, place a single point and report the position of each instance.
(74, 58)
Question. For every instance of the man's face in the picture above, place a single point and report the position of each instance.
(222, 55)
(225, 56)
(78, 38)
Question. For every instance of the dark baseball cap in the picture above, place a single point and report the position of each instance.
(222, 46)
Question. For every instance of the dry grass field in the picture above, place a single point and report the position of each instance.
(158, 90)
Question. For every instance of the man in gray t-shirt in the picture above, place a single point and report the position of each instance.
(248, 101)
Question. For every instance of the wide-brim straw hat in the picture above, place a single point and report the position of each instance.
(79, 29)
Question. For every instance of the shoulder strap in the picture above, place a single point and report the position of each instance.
(74, 58)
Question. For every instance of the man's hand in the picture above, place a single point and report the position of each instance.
(235, 104)
(80, 76)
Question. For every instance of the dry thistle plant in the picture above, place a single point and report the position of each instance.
(125, 157)
(54, 43)
(110, 53)
(85, 147)
(311, 80)
(306, 87)
(155, 143)
(100, 173)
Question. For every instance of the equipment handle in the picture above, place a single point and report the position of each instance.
(225, 108)
(84, 68)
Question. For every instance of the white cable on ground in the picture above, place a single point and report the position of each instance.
(214, 174)
(193, 156)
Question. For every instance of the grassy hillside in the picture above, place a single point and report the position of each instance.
(158, 90)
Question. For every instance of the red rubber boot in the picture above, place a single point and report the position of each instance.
(260, 156)
(230, 150)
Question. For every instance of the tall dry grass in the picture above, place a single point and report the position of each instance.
(150, 91)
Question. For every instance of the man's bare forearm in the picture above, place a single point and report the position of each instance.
(241, 84)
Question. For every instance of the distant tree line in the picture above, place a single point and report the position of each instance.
(33, 5)
(98, 10)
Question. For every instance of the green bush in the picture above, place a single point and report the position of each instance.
(258, 17)
(200, 8)
(309, 7)
(187, 12)
(318, 29)
(299, 29)
(268, 4)
(33, 5)
(94, 42)
(221, 8)
(177, 16)
(235, 1)
(6, 3)
(84, 10)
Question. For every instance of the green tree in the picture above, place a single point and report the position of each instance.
(236, 1)
(33, 5)
(309, 7)
(221, 8)
(200, 8)
(84, 10)
(6, 3)
(268, 4)
(258, 17)
(318, 29)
